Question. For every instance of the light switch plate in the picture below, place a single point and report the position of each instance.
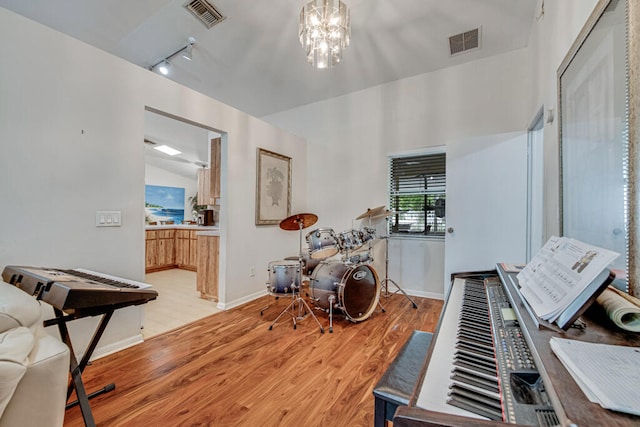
(108, 219)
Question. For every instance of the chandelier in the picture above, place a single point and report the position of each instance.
(324, 31)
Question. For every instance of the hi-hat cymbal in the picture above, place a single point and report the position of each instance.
(384, 214)
(371, 212)
(294, 221)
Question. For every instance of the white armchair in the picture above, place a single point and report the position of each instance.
(34, 366)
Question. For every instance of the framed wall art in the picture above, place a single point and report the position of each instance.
(273, 187)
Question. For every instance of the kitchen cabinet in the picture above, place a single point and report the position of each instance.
(166, 248)
(207, 272)
(151, 250)
(186, 249)
(209, 178)
(215, 164)
(159, 250)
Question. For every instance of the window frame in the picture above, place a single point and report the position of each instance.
(429, 211)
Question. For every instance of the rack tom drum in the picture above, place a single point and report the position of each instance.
(322, 243)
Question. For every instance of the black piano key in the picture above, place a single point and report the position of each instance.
(475, 353)
(475, 366)
(475, 348)
(474, 327)
(476, 391)
(467, 405)
(479, 370)
(469, 378)
(474, 340)
(491, 377)
(484, 400)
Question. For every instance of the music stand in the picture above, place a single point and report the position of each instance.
(298, 222)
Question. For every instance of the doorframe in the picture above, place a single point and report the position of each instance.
(535, 184)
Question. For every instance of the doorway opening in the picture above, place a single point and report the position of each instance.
(171, 273)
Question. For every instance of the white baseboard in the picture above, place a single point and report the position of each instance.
(240, 301)
(114, 347)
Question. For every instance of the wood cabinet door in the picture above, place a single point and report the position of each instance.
(151, 250)
(193, 250)
(166, 248)
(214, 165)
(182, 247)
(207, 273)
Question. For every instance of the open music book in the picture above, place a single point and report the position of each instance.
(563, 276)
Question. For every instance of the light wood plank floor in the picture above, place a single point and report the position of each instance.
(178, 302)
(229, 369)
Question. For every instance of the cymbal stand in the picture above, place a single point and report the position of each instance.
(299, 300)
(385, 283)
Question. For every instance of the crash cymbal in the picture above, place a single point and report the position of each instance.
(293, 222)
(371, 212)
(384, 214)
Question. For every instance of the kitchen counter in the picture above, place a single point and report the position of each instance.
(183, 227)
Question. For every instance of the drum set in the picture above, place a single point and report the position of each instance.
(349, 284)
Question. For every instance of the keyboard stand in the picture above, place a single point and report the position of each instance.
(76, 369)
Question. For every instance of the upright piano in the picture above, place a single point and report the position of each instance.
(490, 363)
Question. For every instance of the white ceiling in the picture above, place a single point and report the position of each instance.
(253, 60)
(192, 142)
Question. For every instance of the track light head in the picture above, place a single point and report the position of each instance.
(163, 68)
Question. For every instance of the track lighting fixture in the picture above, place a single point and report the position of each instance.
(163, 66)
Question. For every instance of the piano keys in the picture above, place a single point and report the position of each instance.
(78, 290)
(489, 364)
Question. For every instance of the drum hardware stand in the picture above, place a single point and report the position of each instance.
(386, 280)
(298, 221)
(332, 299)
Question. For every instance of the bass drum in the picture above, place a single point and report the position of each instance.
(356, 288)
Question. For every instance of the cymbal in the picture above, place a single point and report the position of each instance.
(384, 214)
(371, 212)
(293, 222)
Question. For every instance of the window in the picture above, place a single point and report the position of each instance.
(417, 195)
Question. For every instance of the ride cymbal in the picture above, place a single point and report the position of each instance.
(293, 222)
(371, 212)
(384, 214)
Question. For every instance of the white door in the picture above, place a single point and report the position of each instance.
(486, 203)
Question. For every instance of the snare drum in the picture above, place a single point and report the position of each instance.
(356, 288)
(283, 274)
(322, 243)
(350, 240)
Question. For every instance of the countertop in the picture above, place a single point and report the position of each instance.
(201, 230)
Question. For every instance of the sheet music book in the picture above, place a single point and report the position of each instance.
(607, 374)
(561, 278)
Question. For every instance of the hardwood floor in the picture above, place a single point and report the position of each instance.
(229, 369)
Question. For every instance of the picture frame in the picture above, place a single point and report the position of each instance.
(273, 187)
(598, 134)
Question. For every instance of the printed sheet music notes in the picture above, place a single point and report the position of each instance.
(562, 276)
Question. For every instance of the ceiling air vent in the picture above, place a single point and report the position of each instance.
(205, 12)
(465, 41)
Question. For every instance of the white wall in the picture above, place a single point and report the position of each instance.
(71, 126)
(551, 38)
(157, 176)
(350, 137)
